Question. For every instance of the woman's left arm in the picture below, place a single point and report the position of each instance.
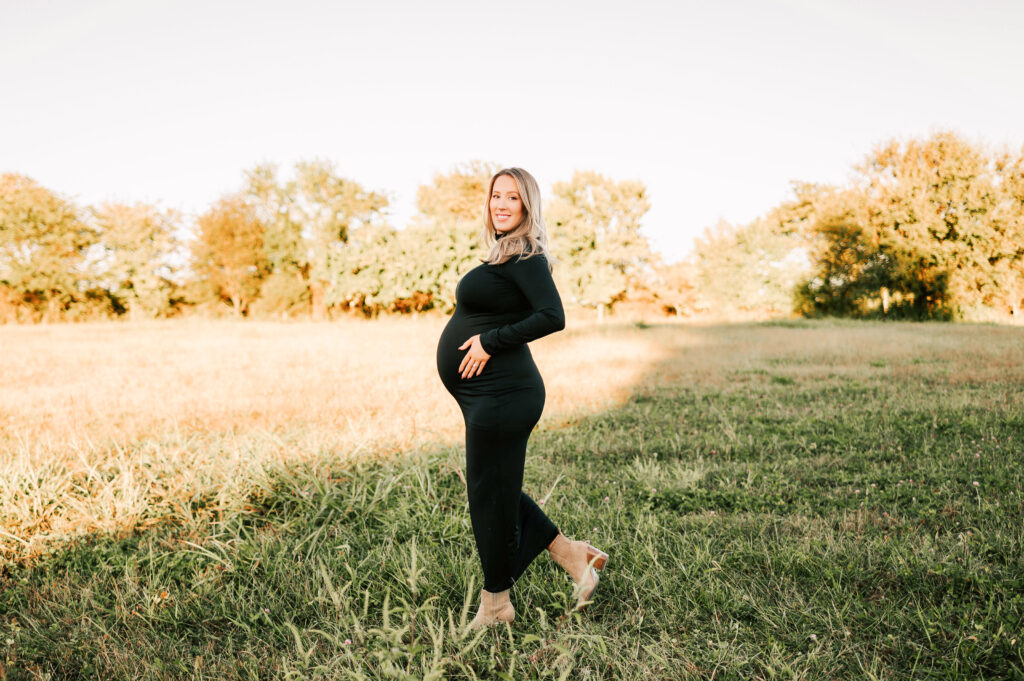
(533, 277)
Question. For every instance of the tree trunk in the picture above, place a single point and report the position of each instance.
(50, 313)
(319, 304)
(885, 300)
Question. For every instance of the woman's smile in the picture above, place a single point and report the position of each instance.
(506, 205)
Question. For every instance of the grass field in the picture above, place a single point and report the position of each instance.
(253, 500)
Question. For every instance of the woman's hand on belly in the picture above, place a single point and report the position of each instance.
(474, 361)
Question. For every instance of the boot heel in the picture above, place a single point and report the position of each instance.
(598, 557)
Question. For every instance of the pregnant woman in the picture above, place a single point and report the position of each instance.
(484, 362)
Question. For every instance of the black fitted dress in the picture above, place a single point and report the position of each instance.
(509, 305)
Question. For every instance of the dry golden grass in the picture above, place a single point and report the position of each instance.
(108, 427)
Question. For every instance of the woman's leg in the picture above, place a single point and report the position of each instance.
(536, 532)
(509, 528)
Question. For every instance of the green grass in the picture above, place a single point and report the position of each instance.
(795, 518)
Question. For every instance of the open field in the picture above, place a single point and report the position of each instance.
(257, 500)
(106, 427)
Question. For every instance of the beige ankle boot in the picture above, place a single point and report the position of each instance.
(581, 561)
(494, 608)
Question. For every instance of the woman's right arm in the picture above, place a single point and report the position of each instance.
(533, 277)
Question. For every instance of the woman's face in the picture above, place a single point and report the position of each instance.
(506, 204)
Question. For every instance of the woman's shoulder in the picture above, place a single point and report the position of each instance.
(528, 261)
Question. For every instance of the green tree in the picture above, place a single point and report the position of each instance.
(850, 276)
(329, 208)
(286, 289)
(596, 238)
(418, 267)
(310, 220)
(437, 256)
(43, 247)
(444, 237)
(138, 246)
(929, 229)
(365, 272)
(751, 268)
(228, 253)
(930, 213)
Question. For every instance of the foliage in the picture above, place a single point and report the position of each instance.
(418, 267)
(928, 228)
(284, 293)
(228, 254)
(310, 219)
(931, 229)
(443, 242)
(137, 255)
(1008, 270)
(43, 247)
(595, 225)
(457, 197)
(407, 270)
(748, 268)
(670, 286)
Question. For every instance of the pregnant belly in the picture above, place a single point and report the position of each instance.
(507, 371)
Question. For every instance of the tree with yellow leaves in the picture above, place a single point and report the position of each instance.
(43, 248)
(228, 254)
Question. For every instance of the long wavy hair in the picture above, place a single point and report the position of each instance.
(530, 236)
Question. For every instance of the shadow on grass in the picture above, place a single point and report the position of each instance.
(808, 500)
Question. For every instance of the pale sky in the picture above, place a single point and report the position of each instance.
(715, 106)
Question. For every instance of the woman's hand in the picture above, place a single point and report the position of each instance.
(474, 361)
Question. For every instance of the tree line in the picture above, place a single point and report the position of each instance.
(309, 242)
(927, 228)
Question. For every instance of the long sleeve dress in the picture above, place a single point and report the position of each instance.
(509, 305)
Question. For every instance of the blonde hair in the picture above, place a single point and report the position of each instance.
(529, 237)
